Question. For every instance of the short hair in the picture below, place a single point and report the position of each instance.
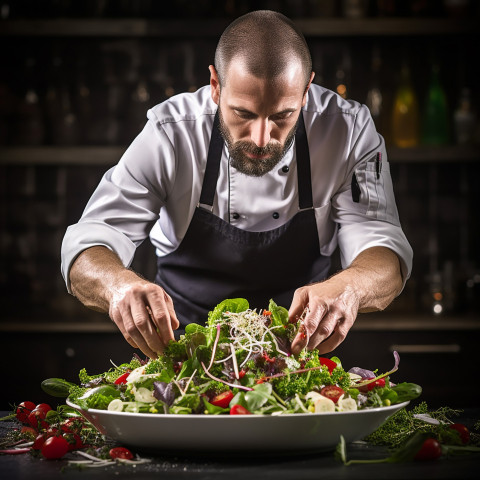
(266, 41)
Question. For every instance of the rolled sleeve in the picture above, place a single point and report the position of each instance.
(86, 234)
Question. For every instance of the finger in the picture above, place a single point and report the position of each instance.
(146, 327)
(324, 329)
(161, 317)
(298, 305)
(337, 337)
(117, 319)
(133, 331)
(300, 341)
(175, 323)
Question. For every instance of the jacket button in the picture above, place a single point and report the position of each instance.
(275, 215)
(285, 169)
(235, 216)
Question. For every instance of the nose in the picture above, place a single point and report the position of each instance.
(260, 133)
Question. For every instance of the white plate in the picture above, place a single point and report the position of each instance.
(299, 432)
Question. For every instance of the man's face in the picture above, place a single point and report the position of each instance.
(258, 116)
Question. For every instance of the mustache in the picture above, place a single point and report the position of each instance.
(245, 146)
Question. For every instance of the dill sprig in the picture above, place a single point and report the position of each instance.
(403, 424)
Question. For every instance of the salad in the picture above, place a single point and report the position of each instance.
(238, 363)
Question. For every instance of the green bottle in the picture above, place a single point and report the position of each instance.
(435, 116)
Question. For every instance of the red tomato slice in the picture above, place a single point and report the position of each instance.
(430, 450)
(122, 378)
(239, 410)
(330, 364)
(462, 430)
(23, 410)
(121, 452)
(332, 392)
(222, 399)
(370, 386)
(54, 447)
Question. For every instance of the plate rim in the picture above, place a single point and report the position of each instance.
(396, 406)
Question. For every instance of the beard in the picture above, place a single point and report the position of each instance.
(267, 156)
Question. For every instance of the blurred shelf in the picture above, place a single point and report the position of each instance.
(110, 155)
(445, 153)
(61, 156)
(204, 27)
(385, 322)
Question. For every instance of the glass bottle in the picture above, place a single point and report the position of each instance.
(405, 114)
(375, 99)
(29, 124)
(435, 115)
(464, 119)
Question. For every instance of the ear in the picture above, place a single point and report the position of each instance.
(214, 84)
(304, 101)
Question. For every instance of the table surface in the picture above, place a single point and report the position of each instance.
(294, 467)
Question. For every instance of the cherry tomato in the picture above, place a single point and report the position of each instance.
(44, 407)
(54, 447)
(72, 425)
(75, 442)
(430, 450)
(39, 441)
(36, 419)
(52, 431)
(330, 364)
(121, 452)
(462, 430)
(222, 399)
(332, 392)
(122, 378)
(23, 410)
(239, 410)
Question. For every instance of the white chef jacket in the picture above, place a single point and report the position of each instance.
(155, 188)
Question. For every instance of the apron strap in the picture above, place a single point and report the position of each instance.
(305, 197)
(209, 185)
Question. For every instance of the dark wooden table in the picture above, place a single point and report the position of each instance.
(294, 467)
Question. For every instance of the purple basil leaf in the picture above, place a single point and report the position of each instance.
(164, 392)
(362, 372)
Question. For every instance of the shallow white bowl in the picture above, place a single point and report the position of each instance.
(300, 433)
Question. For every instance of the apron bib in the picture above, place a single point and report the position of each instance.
(217, 260)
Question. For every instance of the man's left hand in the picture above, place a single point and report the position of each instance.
(331, 309)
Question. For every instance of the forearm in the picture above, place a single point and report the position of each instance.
(375, 275)
(96, 275)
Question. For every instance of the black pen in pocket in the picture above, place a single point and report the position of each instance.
(378, 164)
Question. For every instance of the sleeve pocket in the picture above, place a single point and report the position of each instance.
(374, 191)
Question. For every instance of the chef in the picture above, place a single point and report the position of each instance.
(245, 188)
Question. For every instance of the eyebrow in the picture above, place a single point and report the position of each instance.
(244, 110)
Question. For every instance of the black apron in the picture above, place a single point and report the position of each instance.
(217, 260)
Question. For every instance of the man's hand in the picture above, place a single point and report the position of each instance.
(372, 281)
(331, 309)
(142, 310)
(144, 313)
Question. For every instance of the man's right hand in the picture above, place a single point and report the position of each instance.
(144, 314)
(142, 310)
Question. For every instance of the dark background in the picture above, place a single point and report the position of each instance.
(76, 80)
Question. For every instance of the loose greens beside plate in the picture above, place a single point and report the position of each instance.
(239, 363)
